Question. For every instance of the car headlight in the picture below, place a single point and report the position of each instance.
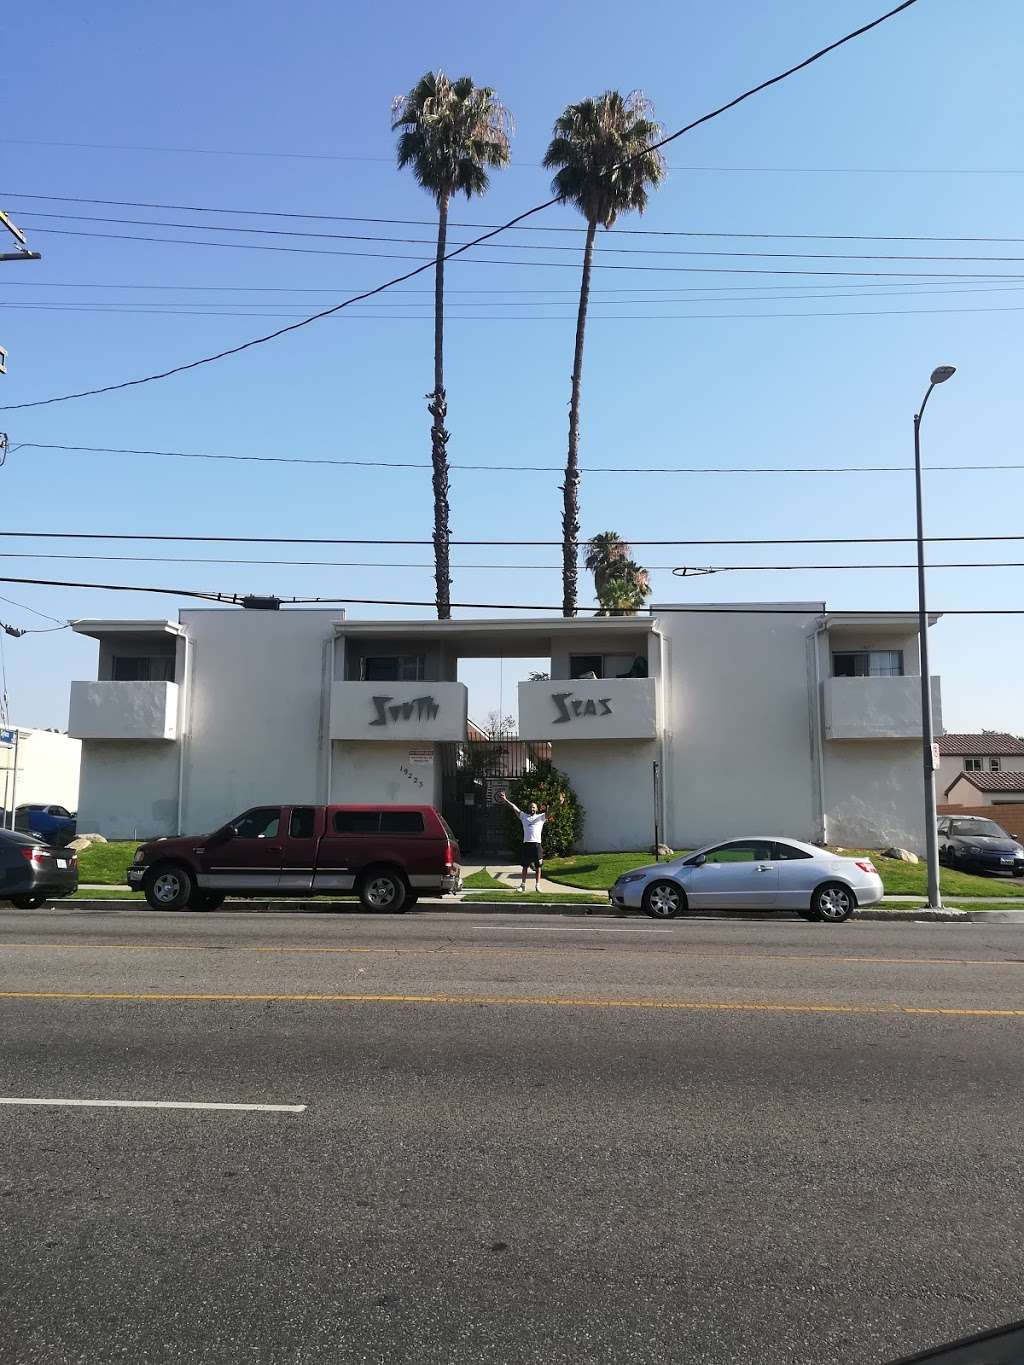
(138, 856)
(631, 877)
(972, 848)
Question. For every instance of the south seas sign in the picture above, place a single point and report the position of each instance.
(588, 708)
(434, 711)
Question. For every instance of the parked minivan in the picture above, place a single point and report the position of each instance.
(387, 855)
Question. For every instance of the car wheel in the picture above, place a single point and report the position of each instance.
(169, 887)
(206, 900)
(663, 900)
(833, 903)
(384, 891)
(28, 902)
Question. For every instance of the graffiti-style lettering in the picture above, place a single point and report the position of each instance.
(422, 708)
(567, 706)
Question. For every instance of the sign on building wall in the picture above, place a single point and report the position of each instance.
(397, 711)
(608, 708)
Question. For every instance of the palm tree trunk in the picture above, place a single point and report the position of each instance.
(438, 409)
(571, 487)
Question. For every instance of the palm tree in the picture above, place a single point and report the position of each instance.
(604, 555)
(451, 132)
(603, 163)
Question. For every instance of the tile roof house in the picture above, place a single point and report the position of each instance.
(985, 789)
(991, 751)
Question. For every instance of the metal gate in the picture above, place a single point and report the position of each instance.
(472, 775)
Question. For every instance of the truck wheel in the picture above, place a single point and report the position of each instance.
(28, 902)
(206, 900)
(169, 887)
(383, 891)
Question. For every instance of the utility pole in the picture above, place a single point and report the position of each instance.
(22, 254)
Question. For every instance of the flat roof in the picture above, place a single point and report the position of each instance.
(99, 629)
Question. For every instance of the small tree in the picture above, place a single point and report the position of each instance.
(549, 788)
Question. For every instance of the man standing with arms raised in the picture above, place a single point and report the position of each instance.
(533, 822)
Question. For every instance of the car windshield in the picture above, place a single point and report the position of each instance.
(979, 829)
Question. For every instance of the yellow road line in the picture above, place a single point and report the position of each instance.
(497, 948)
(527, 1000)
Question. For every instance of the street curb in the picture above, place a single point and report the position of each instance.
(600, 910)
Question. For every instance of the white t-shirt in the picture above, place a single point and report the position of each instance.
(533, 826)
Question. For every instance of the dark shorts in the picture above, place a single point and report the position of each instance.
(533, 856)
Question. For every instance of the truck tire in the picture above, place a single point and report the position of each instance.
(384, 890)
(168, 886)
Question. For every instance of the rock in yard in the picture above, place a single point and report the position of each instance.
(662, 851)
(900, 855)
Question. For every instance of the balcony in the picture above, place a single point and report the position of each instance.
(877, 708)
(124, 710)
(608, 708)
(398, 711)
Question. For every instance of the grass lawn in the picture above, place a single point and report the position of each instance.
(908, 879)
(105, 863)
(483, 881)
(594, 871)
(533, 897)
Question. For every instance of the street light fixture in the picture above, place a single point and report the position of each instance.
(938, 376)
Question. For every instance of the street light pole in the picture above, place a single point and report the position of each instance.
(938, 376)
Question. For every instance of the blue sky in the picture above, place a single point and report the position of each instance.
(913, 130)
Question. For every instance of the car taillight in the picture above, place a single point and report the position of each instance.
(35, 856)
(449, 854)
(866, 865)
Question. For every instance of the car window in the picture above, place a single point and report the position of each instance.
(751, 851)
(943, 826)
(788, 853)
(401, 822)
(59, 810)
(977, 829)
(356, 821)
(302, 822)
(262, 823)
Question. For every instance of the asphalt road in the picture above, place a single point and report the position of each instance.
(529, 1139)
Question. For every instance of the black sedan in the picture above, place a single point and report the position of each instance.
(31, 872)
(969, 841)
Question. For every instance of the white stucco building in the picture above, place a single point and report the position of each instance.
(39, 767)
(780, 717)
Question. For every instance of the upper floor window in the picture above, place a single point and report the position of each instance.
(867, 663)
(143, 668)
(607, 665)
(994, 765)
(973, 765)
(394, 668)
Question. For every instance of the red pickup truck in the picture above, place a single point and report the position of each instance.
(387, 855)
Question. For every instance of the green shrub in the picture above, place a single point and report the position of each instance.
(550, 789)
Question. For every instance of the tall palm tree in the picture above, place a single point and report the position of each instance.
(603, 163)
(604, 555)
(450, 133)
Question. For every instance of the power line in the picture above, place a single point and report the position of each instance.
(546, 568)
(426, 222)
(513, 246)
(235, 599)
(257, 341)
(539, 265)
(545, 544)
(489, 317)
(513, 468)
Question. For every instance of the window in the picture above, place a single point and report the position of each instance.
(59, 811)
(787, 853)
(973, 765)
(756, 852)
(994, 765)
(608, 665)
(868, 663)
(394, 668)
(943, 826)
(143, 668)
(976, 828)
(259, 824)
(581, 664)
(303, 822)
(356, 821)
(401, 822)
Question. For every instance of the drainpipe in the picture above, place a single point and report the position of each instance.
(183, 716)
(818, 729)
(659, 713)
